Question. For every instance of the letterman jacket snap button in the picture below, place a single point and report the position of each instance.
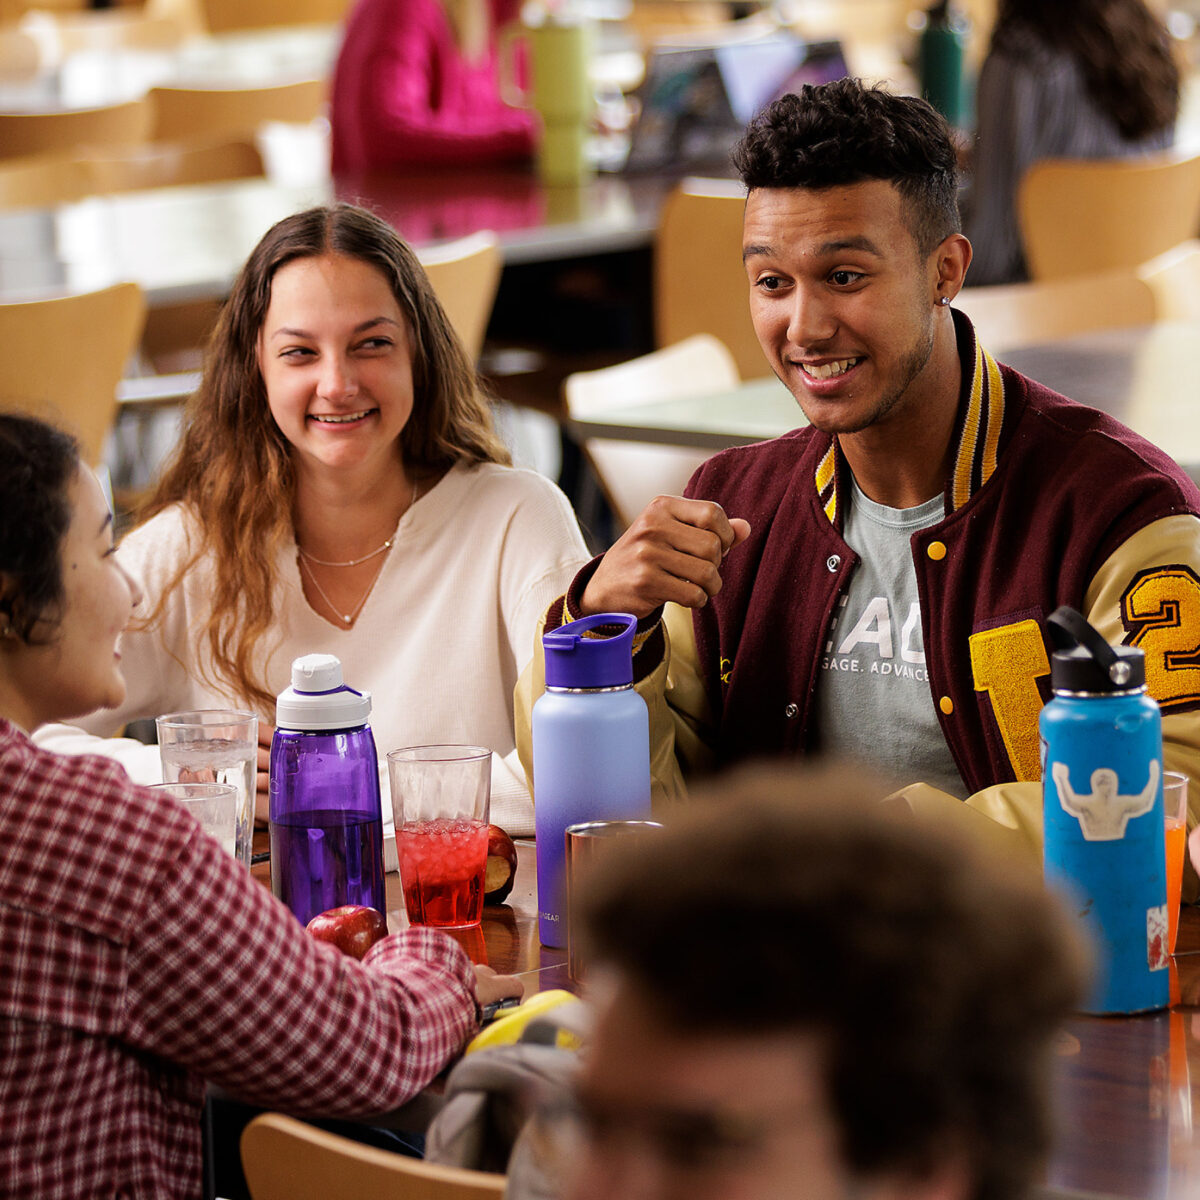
(936, 551)
(946, 705)
(833, 562)
(791, 712)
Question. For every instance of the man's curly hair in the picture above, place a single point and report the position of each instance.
(844, 133)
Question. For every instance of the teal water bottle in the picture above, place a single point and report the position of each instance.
(941, 58)
(1103, 810)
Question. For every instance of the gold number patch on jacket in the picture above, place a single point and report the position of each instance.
(1006, 662)
(1161, 613)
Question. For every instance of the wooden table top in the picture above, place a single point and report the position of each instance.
(1124, 1087)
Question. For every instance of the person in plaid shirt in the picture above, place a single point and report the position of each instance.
(138, 960)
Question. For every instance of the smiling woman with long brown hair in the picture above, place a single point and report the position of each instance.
(339, 488)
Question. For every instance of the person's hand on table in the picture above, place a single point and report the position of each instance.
(671, 552)
(262, 796)
(490, 987)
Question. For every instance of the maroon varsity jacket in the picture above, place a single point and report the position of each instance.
(1042, 491)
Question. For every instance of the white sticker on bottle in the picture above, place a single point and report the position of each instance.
(1104, 812)
(1156, 938)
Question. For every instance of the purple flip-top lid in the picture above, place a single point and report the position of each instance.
(593, 652)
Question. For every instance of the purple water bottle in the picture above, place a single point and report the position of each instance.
(326, 817)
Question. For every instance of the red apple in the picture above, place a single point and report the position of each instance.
(352, 928)
(501, 870)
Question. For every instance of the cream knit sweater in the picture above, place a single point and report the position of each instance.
(439, 643)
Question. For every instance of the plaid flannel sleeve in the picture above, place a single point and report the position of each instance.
(224, 982)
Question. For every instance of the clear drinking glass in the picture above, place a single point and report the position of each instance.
(214, 746)
(440, 799)
(1175, 810)
(214, 805)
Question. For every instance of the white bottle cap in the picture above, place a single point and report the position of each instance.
(319, 699)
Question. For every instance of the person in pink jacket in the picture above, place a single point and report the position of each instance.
(416, 84)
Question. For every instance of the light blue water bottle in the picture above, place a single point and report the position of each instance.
(1103, 806)
(591, 747)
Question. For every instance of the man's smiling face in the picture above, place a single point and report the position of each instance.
(842, 300)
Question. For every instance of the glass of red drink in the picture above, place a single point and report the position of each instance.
(440, 797)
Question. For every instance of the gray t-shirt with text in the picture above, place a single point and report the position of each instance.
(873, 697)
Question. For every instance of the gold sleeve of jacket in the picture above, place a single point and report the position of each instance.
(1147, 593)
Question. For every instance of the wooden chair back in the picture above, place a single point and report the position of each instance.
(21, 56)
(465, 275)
(700, 285)
(1174, 278)
(63, 358)
(181, 113)
(633, 473)
(42, 181)
(107, 29)
(28, 133)
(1021, 314)
(168, 164)
(286, 1159)
(222, 16)
(1081, 216)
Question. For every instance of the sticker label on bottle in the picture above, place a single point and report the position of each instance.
(1156, 938)
(1104, 812)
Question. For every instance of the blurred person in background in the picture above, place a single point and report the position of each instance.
(416, 84)
(1075, 79)
(339, 489)
(886, 1029)
(140, 960)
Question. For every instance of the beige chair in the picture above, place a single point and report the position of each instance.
(222, 16)
(27, 133)
(42, 181)
(175, 333)
(1081, 216)
(700, 285)
(21, 56)
(465, 275)
(633, 473)
(1174, 278)
(183, 112)
(103, 30)
(286, 1159)
(64, 357)
(1021, 314)
(170, 164)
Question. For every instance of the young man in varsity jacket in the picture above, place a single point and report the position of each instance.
(876, 584)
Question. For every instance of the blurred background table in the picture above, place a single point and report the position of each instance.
(1142, 376)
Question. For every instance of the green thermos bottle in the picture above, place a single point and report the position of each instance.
(941, 58)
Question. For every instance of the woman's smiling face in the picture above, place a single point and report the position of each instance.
(336, 360)
(72, 666)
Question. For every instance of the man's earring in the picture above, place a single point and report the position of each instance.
(943, 300)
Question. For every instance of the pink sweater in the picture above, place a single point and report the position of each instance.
(404, 95)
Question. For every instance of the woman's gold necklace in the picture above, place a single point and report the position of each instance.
(307, 559)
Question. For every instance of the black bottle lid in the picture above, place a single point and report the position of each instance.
(1084, 662)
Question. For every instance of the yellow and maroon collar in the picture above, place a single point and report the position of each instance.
(982, 410)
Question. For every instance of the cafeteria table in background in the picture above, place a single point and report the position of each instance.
(1143, 376)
